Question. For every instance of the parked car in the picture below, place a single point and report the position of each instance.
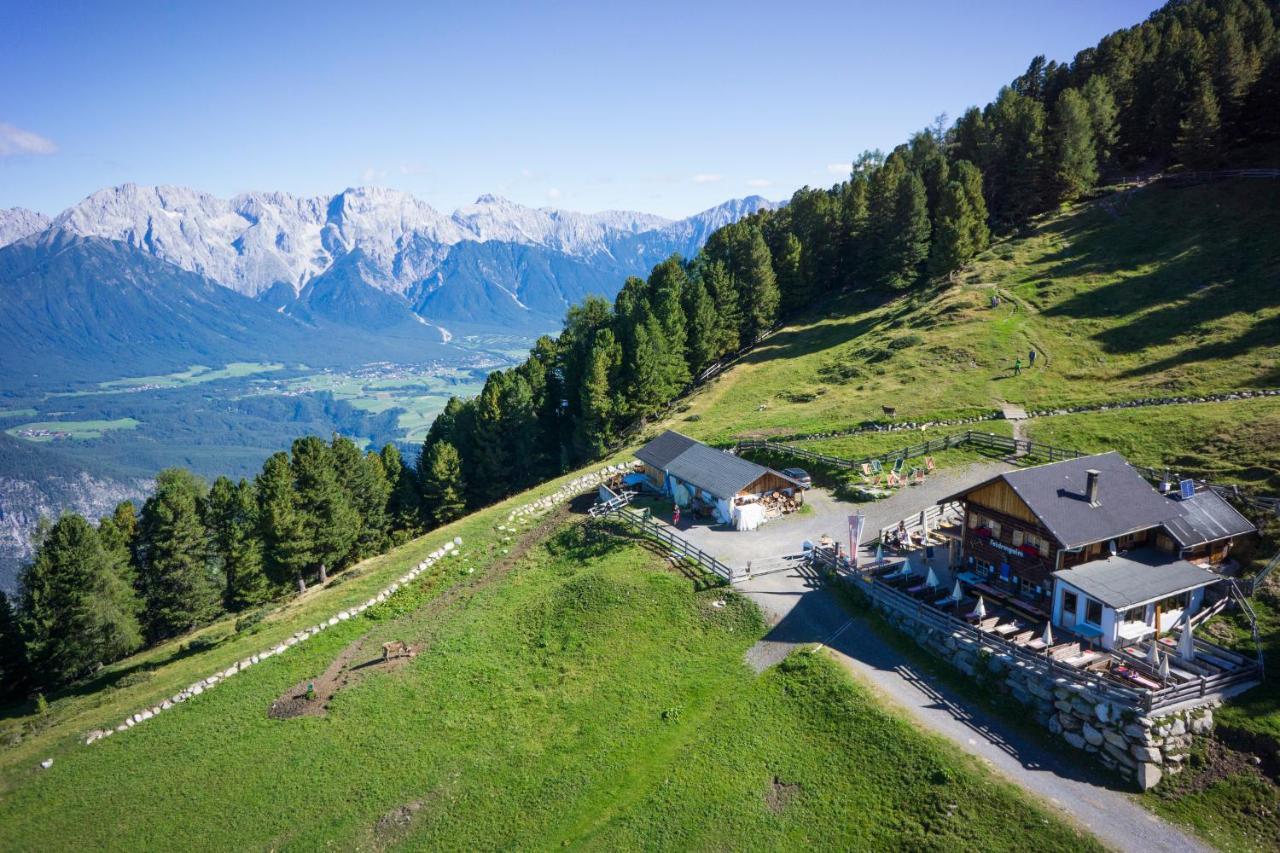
(800, 475)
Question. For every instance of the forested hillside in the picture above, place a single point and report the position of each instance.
(901, 253)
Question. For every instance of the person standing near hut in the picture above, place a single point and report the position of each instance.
(675, 515)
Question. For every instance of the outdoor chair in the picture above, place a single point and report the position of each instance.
(928, 463)
(876, 468)
(898, 466)
(917, 476)
(866, 470)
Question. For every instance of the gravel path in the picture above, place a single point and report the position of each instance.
(803, 613)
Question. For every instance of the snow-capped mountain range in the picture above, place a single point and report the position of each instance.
(256, 242)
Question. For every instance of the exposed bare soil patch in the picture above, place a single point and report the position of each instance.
(780, 794)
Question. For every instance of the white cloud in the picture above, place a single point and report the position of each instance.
(553, 193)
(705, 178)
(15, 141)
(842, 169)
(372, 176)
(759, 182)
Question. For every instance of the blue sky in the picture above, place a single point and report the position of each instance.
(667, 108)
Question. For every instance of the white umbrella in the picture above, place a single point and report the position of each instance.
(980, 610)
(879, 553)
(1164, 667)
(931, 580)
(957, 593)
(924, 527)
(1153, 654)
(1187, 642)
(1047, 636)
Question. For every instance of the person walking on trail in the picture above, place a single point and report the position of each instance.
(1017, 367)
(675, 516)
(1031, 358)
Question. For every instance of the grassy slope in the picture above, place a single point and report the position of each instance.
(1234, 442)
(693, 781)
(589, 698)
(1180, 293)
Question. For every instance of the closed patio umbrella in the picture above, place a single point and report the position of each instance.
(981, 609)
(1153, 654)
(1164, 668)
(879, 553)
(956, 593)
(931, 580)
(1187, 642)
(1047, 636)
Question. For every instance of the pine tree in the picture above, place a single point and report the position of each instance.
(330, 523)
(179, 588)
(404, 508)
(667, 284)
(703, 338)
(1197, 145)
(1103, 114)
(519, 434)
(364, 481)
(908, 244)
(724, 300)
(286, 548)
(970, 179)
(491, 466)
(757, 285)
(1075, 166)
(442, 484)
(14, 670)
(594, 431)
(788, 270)
(231, 516)
(952, 245)
(643, 369)
(75, 612)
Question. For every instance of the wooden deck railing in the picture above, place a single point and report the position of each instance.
(1147, 700)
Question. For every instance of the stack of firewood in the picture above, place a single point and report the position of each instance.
(777, 503)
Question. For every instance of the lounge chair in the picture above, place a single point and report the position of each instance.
(898, 465)
(876, 468)
(928, 463)
(866, 470)
(917, 476)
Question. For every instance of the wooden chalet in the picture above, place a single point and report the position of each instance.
(1102, 541)
(691, 471)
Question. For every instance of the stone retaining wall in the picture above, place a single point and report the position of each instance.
(1124, 739)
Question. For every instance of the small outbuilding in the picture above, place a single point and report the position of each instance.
(1128, 597)
(693, 473)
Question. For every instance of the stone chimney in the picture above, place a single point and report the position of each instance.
(1091, 485)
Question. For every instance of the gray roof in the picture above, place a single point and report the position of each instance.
(722, 474)
(662, 450)
(1055, 492)
(1207, 517)
(1136, 577)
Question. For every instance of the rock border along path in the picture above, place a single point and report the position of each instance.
(302, 635)
(537, 507)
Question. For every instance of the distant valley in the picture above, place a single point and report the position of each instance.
(155, 326)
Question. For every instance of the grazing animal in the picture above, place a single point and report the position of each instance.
(396, 649)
